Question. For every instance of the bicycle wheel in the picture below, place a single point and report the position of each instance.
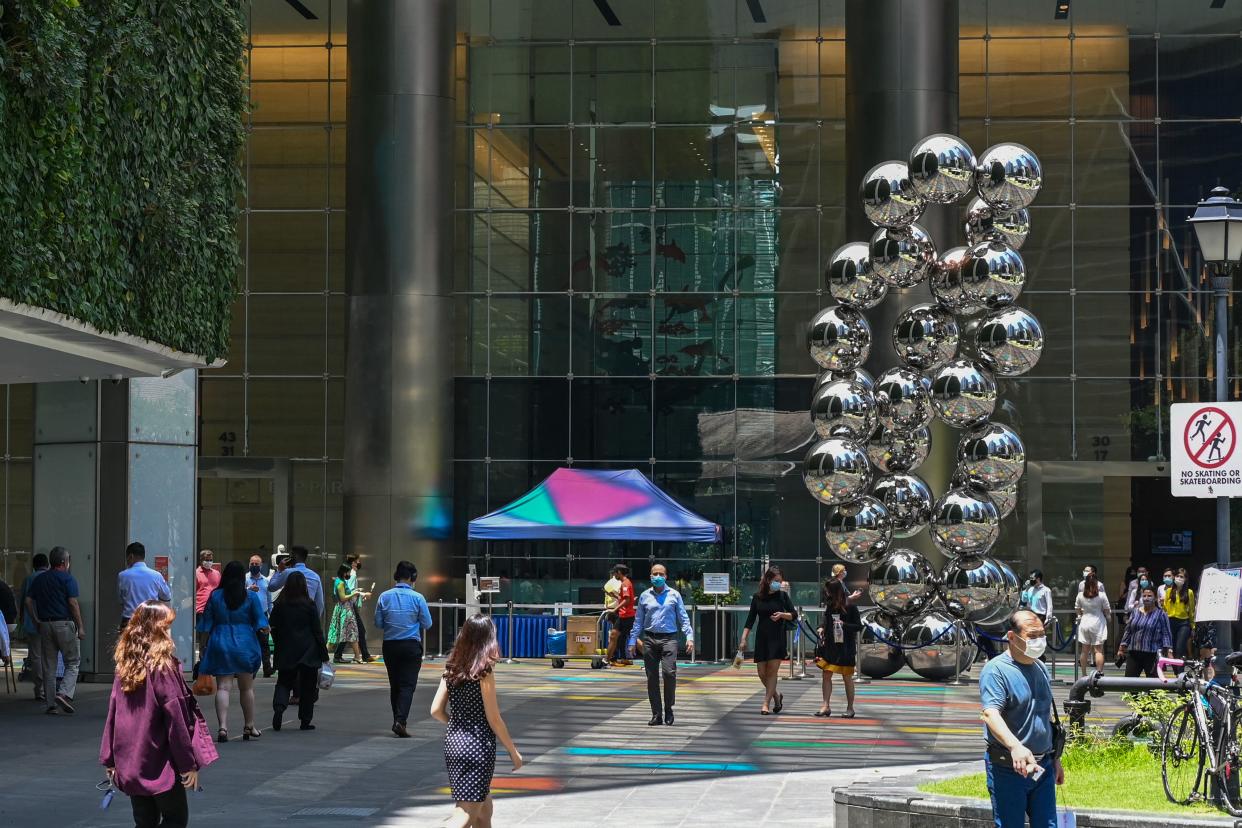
(1181, 756)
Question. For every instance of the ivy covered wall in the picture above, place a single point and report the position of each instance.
(121, 131)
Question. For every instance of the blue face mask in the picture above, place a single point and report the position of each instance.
(1144, 584)
(658, 581)
(776, 586)
(1168, 582)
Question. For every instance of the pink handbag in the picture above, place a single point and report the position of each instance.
(200, 737)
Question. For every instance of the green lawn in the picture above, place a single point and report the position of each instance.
(1116, 776)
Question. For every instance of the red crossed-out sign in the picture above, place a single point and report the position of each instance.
(1209, 437)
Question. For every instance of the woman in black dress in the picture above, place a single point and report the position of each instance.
(838, 645)
(772, 608)
(300, 650)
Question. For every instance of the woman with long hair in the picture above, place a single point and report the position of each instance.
(1179, 605)
(1093, 614)
(300, 650)
(344, 626)
(770, 608)
(838, 645)
(148, 746)
(233, 619)
(466, 702)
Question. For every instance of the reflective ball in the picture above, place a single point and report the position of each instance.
(901, 580)
(1009, 341)
(1011, 594)
(925, 336)
(983, 224)
(943, 649)
(843, 408)
(1006, 500)
(898, 451)
(858, 375)
(888, 197)
(851, 279)
(993, 275)
(942, 168)
(964, 522)
(947, 285)
(977, 589)
(860, 531)
(902, 257)
(991, 456)
(839, 338)
(909, 502)
(836, 471)
(1008, 177)
(904, 399)
(876, 658)
(963, 393)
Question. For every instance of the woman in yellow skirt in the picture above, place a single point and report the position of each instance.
(838, 645)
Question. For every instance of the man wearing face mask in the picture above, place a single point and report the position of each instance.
(206, 579)
(1037, 597)
(256, 582)
(659, 612)
(1022, 760)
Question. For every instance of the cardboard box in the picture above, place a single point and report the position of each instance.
(582, 634)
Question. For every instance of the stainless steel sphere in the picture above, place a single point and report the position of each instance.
(964, 522)
(902, 257)
(851, 278)
(859, 531)
(1006, 500)
(983, 224)
(888, 197)
(844, 408)
(991, 457)
(898, 451)
(1008, 177)
(839, 338)
(947, 285)
(1009, 341)
(836, 471)
(909, 502)
(942, 168)
(925, 337)
(876, 658)
(904, 399)
(1011, 595)
(977, 589)
(993, 275)
(963, 393)
(943, 649)
(858, 375)
(901, 580)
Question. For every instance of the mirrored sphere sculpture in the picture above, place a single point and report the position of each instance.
(1008, 177)
(836, 471)
(860, 531)
(1009, 341)
(898, 451)
(963, 393)
(901, 580)
(839, 338)
(1011, 595)
(858, 375)
(852, 280)
(964, 522)
(1006, 500)
(991, 456)
(904, 399)
(876, 658)
(843, 408)
(943, 650)
(977, 589)
(945, 281)
(942, 168)
(909, 502)
(925, 336)
(983, 224)
(993, 275)
(888, 197)
(902, 257)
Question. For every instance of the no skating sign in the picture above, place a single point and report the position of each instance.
(1203, 437)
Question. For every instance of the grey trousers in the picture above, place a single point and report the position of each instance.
(660, 661)
(60, 637)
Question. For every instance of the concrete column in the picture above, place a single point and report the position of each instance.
(399, 246)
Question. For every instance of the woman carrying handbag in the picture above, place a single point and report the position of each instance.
(155, 740)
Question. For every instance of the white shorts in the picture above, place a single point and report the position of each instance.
(1091, 631)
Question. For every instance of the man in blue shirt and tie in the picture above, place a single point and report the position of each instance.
(403, 615)
(314, 585)
(256, 582)
(138, 583)
(660, 611)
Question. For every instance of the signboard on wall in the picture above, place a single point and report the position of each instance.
(1203, 438)
(161, 566)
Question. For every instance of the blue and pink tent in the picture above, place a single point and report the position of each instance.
(586, 504)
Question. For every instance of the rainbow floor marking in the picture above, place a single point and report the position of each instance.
(592, 751)
(731, 767)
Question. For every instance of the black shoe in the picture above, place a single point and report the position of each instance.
(656, 719)
(338, 660)
(668, 717)
(268, 673)
(306, 726)
(276, 717)
(399, 729)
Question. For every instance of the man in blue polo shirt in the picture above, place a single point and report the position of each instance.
(138, 583)
(659, 613)
(53, 604)
(314, 586)
(403, 615)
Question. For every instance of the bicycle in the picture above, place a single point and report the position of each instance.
(1200, 741)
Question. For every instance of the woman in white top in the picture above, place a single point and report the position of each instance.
(1093, 615)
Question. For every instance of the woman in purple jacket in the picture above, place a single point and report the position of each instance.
(150, 747)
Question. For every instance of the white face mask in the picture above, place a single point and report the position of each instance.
(1179, 581)
(1086, 572)
(1034, 647)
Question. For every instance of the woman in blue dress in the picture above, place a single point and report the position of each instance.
(233, 619)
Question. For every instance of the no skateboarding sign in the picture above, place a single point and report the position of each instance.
(1204, 436)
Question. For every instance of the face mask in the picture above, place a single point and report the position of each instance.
(1086, 572)
(254, 569)
(1149, 601)
(657, 581)
(206, 564)
(1144, 583)
(1034, 647)
(776, 586)
(1168, 582)
(1179, 581)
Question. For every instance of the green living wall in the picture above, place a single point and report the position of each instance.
(120, 143)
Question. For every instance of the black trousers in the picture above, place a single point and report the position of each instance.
(362, 638)
(660, 661)
(1139, 662)
(169, 808)
(303, 682)
(403, 659)
(266, 649)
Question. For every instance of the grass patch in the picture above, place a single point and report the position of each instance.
(1116, 775)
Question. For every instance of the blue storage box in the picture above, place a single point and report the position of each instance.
(554, 644)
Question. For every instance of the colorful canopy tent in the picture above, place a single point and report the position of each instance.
(583, 504)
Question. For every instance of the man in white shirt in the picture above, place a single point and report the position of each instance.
(612, 598)
(256, 582)
(1038, 598)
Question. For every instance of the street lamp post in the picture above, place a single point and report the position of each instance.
(1218, 229)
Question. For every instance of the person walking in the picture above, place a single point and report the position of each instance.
(351, 584)
(231, 620)
(149, 749)
(1094, 613)
(314, 585)
(1147, 635)
(300, 651)
(1166, 583)
(625, 613)
(1022, 759)
(466, 701)
(771, 609)
(138, 583)
(838, 645)
(30, 629)
(659, 613)
(344, 626)
(840, 573)
(612, 598)
(206, 579)
(256, 582)
(404, 617)
(1179, 605)
(53, 603)
(1037, 597)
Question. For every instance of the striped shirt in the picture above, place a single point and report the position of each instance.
(1147, 632)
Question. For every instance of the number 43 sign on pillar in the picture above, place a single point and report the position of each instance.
(1203, 438)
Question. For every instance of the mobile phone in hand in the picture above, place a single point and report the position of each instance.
(1037, 773)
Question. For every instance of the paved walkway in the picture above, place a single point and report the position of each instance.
(590, 754)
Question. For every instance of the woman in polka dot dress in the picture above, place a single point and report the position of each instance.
(466, 702)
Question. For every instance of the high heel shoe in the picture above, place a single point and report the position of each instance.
(222, 735)
(250, 732)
